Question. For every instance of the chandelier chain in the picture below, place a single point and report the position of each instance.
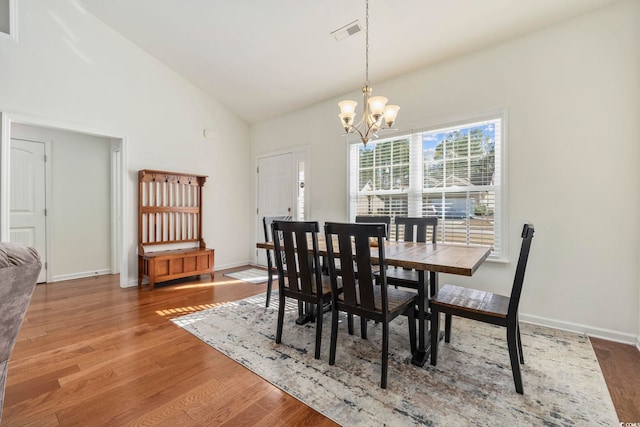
(367, 44)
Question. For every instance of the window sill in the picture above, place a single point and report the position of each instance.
(497, 260)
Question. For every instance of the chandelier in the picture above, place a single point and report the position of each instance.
(376, 111)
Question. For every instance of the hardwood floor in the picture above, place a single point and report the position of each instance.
(620, 364)
(91, 353)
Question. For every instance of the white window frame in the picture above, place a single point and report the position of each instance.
(415, 190)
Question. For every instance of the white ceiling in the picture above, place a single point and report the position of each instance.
(264, 58)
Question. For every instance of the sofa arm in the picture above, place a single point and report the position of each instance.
(12, 254)
(19, 270)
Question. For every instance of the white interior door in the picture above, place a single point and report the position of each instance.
(27, 203)
(276, 192)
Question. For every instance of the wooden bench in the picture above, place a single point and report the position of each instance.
(170, 214)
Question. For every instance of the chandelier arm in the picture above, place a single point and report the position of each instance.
(353, 129)
(362, 119)
(374, 134)
(366, 136)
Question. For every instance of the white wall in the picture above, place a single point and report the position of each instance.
(573, 97)
(70, 68)
(80, 200)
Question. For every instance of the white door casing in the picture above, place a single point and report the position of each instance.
(116, 208)
(127, 278)
(276, 192)
(27, 205)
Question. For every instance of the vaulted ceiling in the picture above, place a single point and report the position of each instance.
(262, 58)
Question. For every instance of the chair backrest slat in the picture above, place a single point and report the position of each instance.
(518, 280)
(305, 263)
(290, 258)
(365, 273)
(349, 271)
(416, 229)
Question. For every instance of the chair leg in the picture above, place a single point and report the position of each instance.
(269, 284)
(350, 323)
(311, 309)
(447, 327)
(435, 332)
(318, 331)
(334, 336)
(281, 303)
(520, 345)
(411, 316)
(363, 328)
(385, 353)
(512, 337)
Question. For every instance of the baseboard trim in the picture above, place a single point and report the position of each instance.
(231, 265)
(81, 275)
(590, 331)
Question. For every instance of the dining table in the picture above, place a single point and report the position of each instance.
(434, 258)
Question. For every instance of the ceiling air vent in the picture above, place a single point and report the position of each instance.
(347, 31)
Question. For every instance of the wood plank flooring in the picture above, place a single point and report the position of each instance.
(90, 353)
(620, 364)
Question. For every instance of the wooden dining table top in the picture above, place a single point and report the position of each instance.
(438, 257)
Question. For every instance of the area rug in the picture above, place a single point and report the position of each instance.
(472, 384)
(252, 275)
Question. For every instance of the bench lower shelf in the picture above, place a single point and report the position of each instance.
(162, 266)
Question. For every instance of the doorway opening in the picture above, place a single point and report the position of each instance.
(83, 234)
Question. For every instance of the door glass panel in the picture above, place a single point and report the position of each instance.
(301, 185)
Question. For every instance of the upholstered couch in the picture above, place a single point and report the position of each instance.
(19, 270)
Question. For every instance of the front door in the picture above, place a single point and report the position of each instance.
(276, 192)
(27, 224)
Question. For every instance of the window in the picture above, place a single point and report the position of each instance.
(451, 172)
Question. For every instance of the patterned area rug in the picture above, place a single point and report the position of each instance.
(472, 384)
(252, 275)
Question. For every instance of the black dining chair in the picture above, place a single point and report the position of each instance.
(271, 267)
(299, 272)
(414, 229)
(359, 294)
(485, 307)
